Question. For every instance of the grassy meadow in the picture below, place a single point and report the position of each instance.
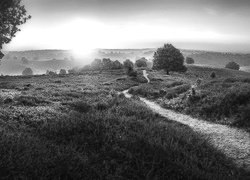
(223, 99)
(77, 127)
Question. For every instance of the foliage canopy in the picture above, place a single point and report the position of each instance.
(169, 58)
(141, 62)
(232, 65)
(189, 60)
(12, 15)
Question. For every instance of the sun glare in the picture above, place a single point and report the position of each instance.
(81, 52)
(84, 36)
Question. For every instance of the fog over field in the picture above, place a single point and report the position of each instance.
(125, 89)
(79, 27)
(42, 60)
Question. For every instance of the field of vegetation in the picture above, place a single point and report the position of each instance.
(224, 98)
(77, 126)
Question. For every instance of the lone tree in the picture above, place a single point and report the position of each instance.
(168, 58)
(12, 15)
(233, 65)
(27, 72)
(189, 60)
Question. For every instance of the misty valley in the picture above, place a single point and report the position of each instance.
(124, 90)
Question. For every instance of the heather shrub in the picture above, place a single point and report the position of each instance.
(212, 75)
(243, 117)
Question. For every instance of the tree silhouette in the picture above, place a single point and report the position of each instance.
(141, 62)
(169, 58)
(129, 67)
(189, 60)
(233, 65)
(27, 72)
(12, 15)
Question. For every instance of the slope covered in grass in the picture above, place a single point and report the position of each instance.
(223, 99)
(75, 127)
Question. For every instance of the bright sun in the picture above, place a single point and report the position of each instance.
(81, 52)
(84, 37)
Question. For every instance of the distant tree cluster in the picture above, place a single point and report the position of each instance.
(232, 65)
(189, 60)
(104, 64)
(169, 59)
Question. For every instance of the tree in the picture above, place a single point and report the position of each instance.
(141, 62)
(232, 65)
(12, 15)
(96, 64)
(117, 65)
(25, 60)
(27, 72)
(129, 67)
(168, 58)
(50, 73)
(63, 72)
(189, 60)
(106, 63)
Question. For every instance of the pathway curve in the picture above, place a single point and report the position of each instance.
(233, 142)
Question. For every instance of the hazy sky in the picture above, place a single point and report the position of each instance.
(220, 25)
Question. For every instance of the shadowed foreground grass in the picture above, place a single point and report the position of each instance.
(121, 140)
(67, 128)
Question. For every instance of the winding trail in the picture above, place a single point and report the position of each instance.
(233, 142)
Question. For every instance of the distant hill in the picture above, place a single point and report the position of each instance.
(217, 59)
(42, 60)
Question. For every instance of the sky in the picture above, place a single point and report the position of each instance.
(216, 25)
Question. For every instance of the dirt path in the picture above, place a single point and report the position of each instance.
(233, 142)
(145, 75)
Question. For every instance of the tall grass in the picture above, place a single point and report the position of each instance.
(79, 130)
(225, 100)
(122, 141)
